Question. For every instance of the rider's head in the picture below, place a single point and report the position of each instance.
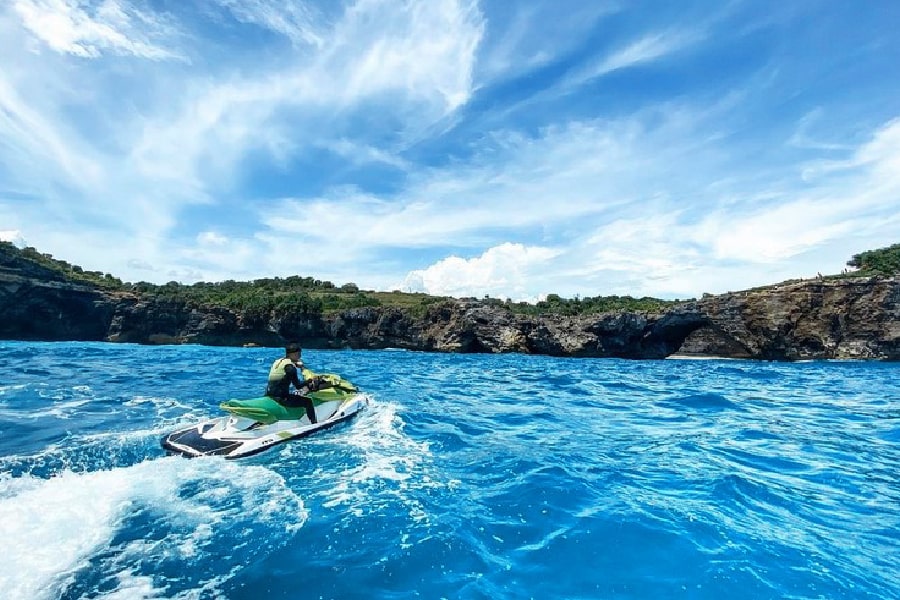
(292, 349)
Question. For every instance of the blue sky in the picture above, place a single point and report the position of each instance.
(455, 147)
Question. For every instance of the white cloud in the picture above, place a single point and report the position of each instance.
(14, 236)
(648, 48)
(786, 229)
(137, 160)
(669, 244)
(804, 138)
(62, 161)
(211, 238)
(665, 199)
(562, 179)
(644, 50)
(413, 70)
(537, 34)
(415, 67)
(29, 138)
(298, 21)
(757, 237)
(503, 271)
(424, 48)
(842, 198)
(89, 29)
(360, 154)
(882, 154)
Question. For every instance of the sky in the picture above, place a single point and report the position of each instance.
(454, 147)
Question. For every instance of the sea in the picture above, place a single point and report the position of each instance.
(468, 477)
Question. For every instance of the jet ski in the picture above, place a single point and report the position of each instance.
(256, 424)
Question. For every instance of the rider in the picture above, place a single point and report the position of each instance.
(289, 370)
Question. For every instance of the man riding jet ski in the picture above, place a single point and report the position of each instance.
(283, 374)
(254, 425)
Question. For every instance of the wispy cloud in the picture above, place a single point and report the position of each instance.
(413, 69)
(803, 137)
(646, 49)
(673, 243)
(515, 182)
(511, 181)
(300, 22)
(29, 138)
(535, 35)
(188, 144)
(475, 147)
(90, 29)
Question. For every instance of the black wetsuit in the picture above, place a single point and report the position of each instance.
(280, 391)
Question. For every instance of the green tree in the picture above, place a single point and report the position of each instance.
(883, 261)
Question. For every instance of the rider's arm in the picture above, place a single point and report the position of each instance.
(291, 372)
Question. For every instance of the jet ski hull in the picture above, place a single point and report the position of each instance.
(235, 436)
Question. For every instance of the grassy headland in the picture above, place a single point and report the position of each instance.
(295, 294)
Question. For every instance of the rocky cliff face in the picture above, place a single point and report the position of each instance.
(35, 305)
(846, 318)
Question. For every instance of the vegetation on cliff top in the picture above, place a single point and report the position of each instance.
(884, 261)
(58, 268)
(258, 299)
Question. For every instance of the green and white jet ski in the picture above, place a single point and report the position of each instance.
(256, 424)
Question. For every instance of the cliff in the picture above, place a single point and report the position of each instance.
(37, 304)
(837, 318)
(856, 317)
(825, 318)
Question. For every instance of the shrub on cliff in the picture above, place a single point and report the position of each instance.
(555, 304)
(883, 261)
(298, 304)
(54, 268)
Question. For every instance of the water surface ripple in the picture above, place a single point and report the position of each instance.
(473, 477)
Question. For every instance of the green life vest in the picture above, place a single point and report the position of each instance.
(276, 373)
(278, 384)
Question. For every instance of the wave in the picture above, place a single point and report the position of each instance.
(469, 476)
(117, 530)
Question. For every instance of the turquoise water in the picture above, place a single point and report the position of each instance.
(470, 476)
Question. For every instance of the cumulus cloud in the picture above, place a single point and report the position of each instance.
(13, 236)
(502, 271)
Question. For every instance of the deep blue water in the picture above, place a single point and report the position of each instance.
(470, 476)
